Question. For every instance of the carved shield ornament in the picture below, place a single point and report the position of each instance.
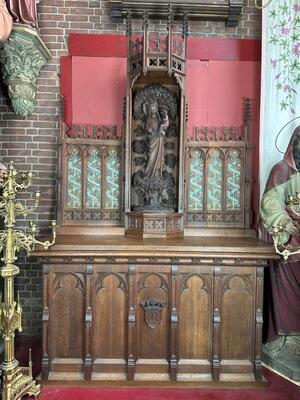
(152, 312)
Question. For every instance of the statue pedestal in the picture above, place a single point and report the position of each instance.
(147, 225)
(283, 355)
(23, 56)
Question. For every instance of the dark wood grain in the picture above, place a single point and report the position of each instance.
(97, 325)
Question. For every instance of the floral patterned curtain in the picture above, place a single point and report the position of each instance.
(280, 98)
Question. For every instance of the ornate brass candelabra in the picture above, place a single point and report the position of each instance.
(293, 203)
(16, 381)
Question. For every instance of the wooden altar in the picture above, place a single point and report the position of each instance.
(189, 309)
(156, 274)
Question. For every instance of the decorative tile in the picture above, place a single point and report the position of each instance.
(112, 195)
(196, 175)
(215, 181)
(233, 186)
(93, 187)
(74, 177)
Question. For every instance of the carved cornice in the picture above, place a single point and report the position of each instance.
(163, 260)
(228, 11)
(22, 57)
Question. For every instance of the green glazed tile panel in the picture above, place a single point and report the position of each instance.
(93, 189)
(233, 190)
(112, 195)
(74, 185)
(215, 181)
(196, 175)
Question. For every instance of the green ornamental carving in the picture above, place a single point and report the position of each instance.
(22, 57)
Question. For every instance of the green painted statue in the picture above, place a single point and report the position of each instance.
(282, 352)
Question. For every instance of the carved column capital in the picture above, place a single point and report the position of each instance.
(22, 57)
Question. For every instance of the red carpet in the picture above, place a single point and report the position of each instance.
(278, 389)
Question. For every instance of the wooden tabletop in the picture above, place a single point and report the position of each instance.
(191, 245)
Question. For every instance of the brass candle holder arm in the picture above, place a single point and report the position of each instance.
(47, 243)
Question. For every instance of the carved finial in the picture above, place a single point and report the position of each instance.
(185, 25)
(128, 24)
(247, 110)
(170, 16)
(62, 107)
(206, 134)
(30, 364)
(145, 20)
(124, 108)
(225, 134)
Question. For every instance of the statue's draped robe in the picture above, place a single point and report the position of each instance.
(284, 180)
(155, 149)
(23, 11)
(5, 21)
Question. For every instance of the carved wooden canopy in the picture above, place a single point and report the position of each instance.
(228, 11)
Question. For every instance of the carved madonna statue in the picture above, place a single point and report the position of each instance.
(155, 109)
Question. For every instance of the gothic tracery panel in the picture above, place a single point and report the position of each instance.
(215, 181)
(112, 194)
(93, 188)
(218, 183)
(233, 180)
(74, 179)
(196, 184)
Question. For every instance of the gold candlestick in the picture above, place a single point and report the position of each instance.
(17, 381)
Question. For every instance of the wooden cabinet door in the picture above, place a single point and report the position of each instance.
(194, 294)
(153, 323)
(236, 293)
(66, 302)
(109, 305)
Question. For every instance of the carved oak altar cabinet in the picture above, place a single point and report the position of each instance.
(156, 274)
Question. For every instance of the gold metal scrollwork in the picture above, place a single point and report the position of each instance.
(262, 5)
(16, 381)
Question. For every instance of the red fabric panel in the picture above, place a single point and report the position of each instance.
(91, 45)
(81, 44)
(215, 93)
(223, 49)
(99, 85)
(66, 87)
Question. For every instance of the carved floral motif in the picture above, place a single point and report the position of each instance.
(22, 57)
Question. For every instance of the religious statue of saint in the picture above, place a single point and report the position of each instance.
(156, 125)
(283, 182)
(154, 145)
(5, 22)
(23, 11)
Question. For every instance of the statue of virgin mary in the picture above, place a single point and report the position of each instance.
(156, 125)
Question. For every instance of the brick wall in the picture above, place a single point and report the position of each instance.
(31, 142)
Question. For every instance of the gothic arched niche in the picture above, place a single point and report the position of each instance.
(155, 148)
(155, 132)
